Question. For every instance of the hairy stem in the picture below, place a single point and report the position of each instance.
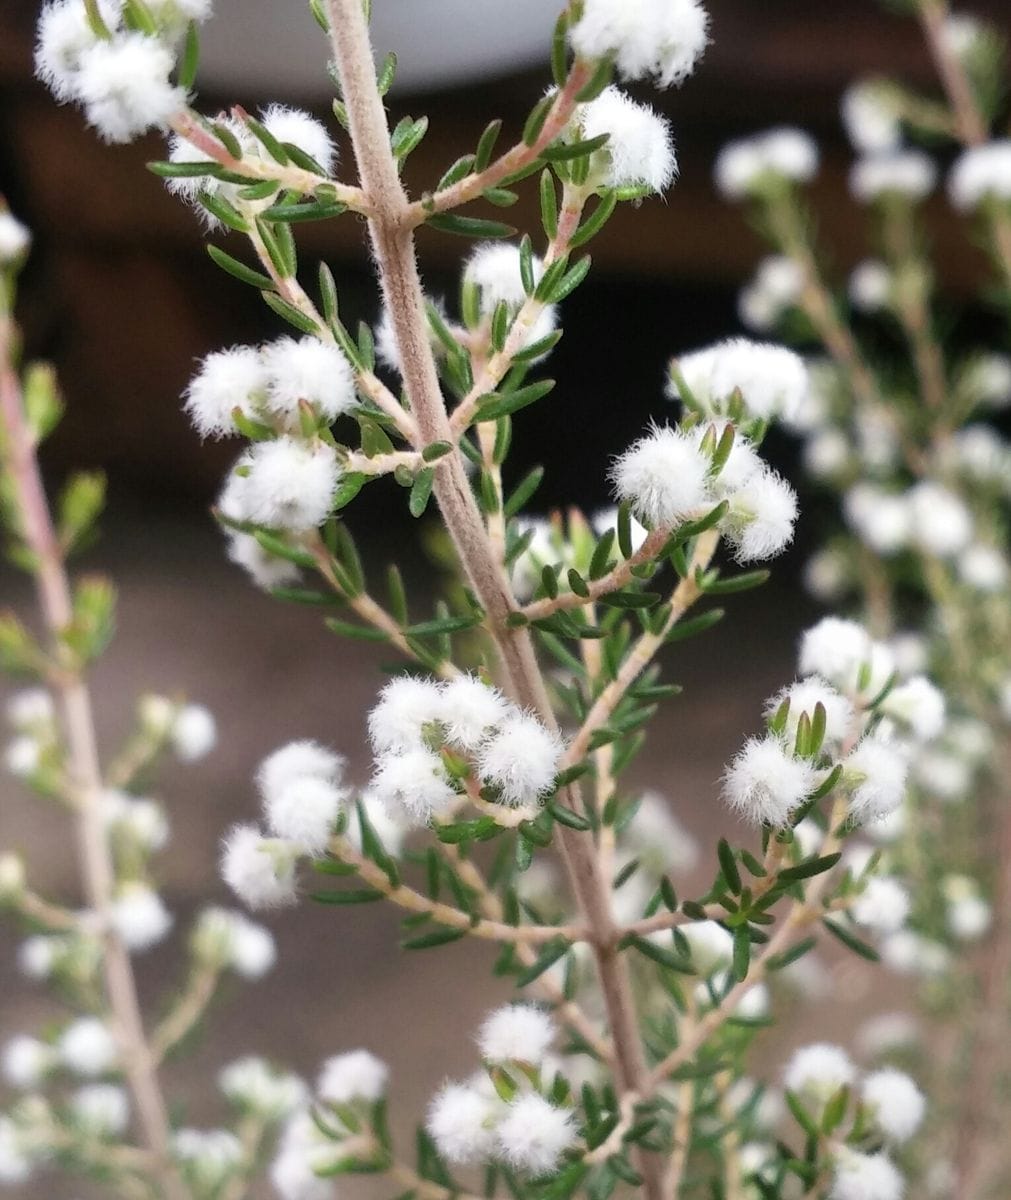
(390, 226)
(93, 850)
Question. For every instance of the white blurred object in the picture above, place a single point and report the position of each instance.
(278, 51)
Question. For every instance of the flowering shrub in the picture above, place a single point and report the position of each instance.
(624, 1064)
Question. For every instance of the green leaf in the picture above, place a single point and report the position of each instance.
(596, 221)
(313, 210)
(289, 312)
(728, 865)
(813, 866)
(661, 954)
(442, 625)
(486, 145)
(742, 953)
(630, 600)
(421, 491)
(190, 60)
(472, 227)
(407, 136)
(777, 962)
(736, 583)
(239, 270)
(549, 206)
(494, 405)
(851, 941)
(566, 151)
(573, 278)
(550, 953)
(436, 937)
(535, 121)
(523, 492)
(360, 633)
(350, 896)
(696, 625)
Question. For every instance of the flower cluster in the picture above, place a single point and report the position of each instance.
(503, 1114)
(509, 754)
(118, 74)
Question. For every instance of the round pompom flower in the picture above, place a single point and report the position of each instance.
(405, 706)
(283, 484)
(762, 515)
(139, 916)
(520, 759)
(304, 810)
(226, 380)
(461, 1123)
(898, 1106)
(639, 152)
(919, 705)
(664, 476)
(87, 1047)
(297, 369)
(356, 1075)
(818, 1071)
(260, 870)
(876, 771)
(516, 1032)
(882, 906)
(303, 131)
(194, 732)
(297, 760)
(865, 1177)
(981, 172)
(533, 1134)
(469, 710)
(765, 783)
(659, 38)
(804, 696)
(413, 782)
(125, 88)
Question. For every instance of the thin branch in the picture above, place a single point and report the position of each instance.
(189, 127)
(683, 597)
(516, 159)
(188, 1010)
(613, 581)
(444, 914)
(94, 851)
(390, 227)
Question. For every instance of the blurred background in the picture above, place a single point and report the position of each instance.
(120, 294)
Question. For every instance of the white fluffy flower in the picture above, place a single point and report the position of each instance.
(86, 1047)
(762, 515)
(818, 1071)
(304, 812)
(775, 288)
(260, 870)
(663, 39)
(296, 760)
(876, 771)
(299, 129)
(14, 238)
(23, 756)
(865, 1177)
(284, 484)
(944, 775)
(987, 381)
(307, 369)
(981, 172)
(211, 1156)
(227, 379)
(62, 36)
(516, 1032)
(413, 782)
(804, 696)
(25, 1061)
(390, 831)
(907, 173)
(781, 153)
(837, 650)
(461, 1123)
(38, 955)
(101, 1109)
(881, 520)
(405, 706)
(230, 938)
(712, 946)
(494, 268)
(870, 285)
(826, 454)
(941, 523)
(639, 151)
(142, 822)
(664, 476)
(266, 570)
(194, 732)
(139, 916)
(124, 86)
(533, 1134)
(898, 1104)
(773, 381)
(887, 1032)
(15, 1163)
(30, 708)
(882, 906)
(520, 759)
(765, 783)
(253, 1085)
(469, 710)
(872, 124)
(968, 917)
(918, 704)
(357, 1075)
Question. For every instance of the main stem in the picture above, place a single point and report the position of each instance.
(391, 231)
(93, 851)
